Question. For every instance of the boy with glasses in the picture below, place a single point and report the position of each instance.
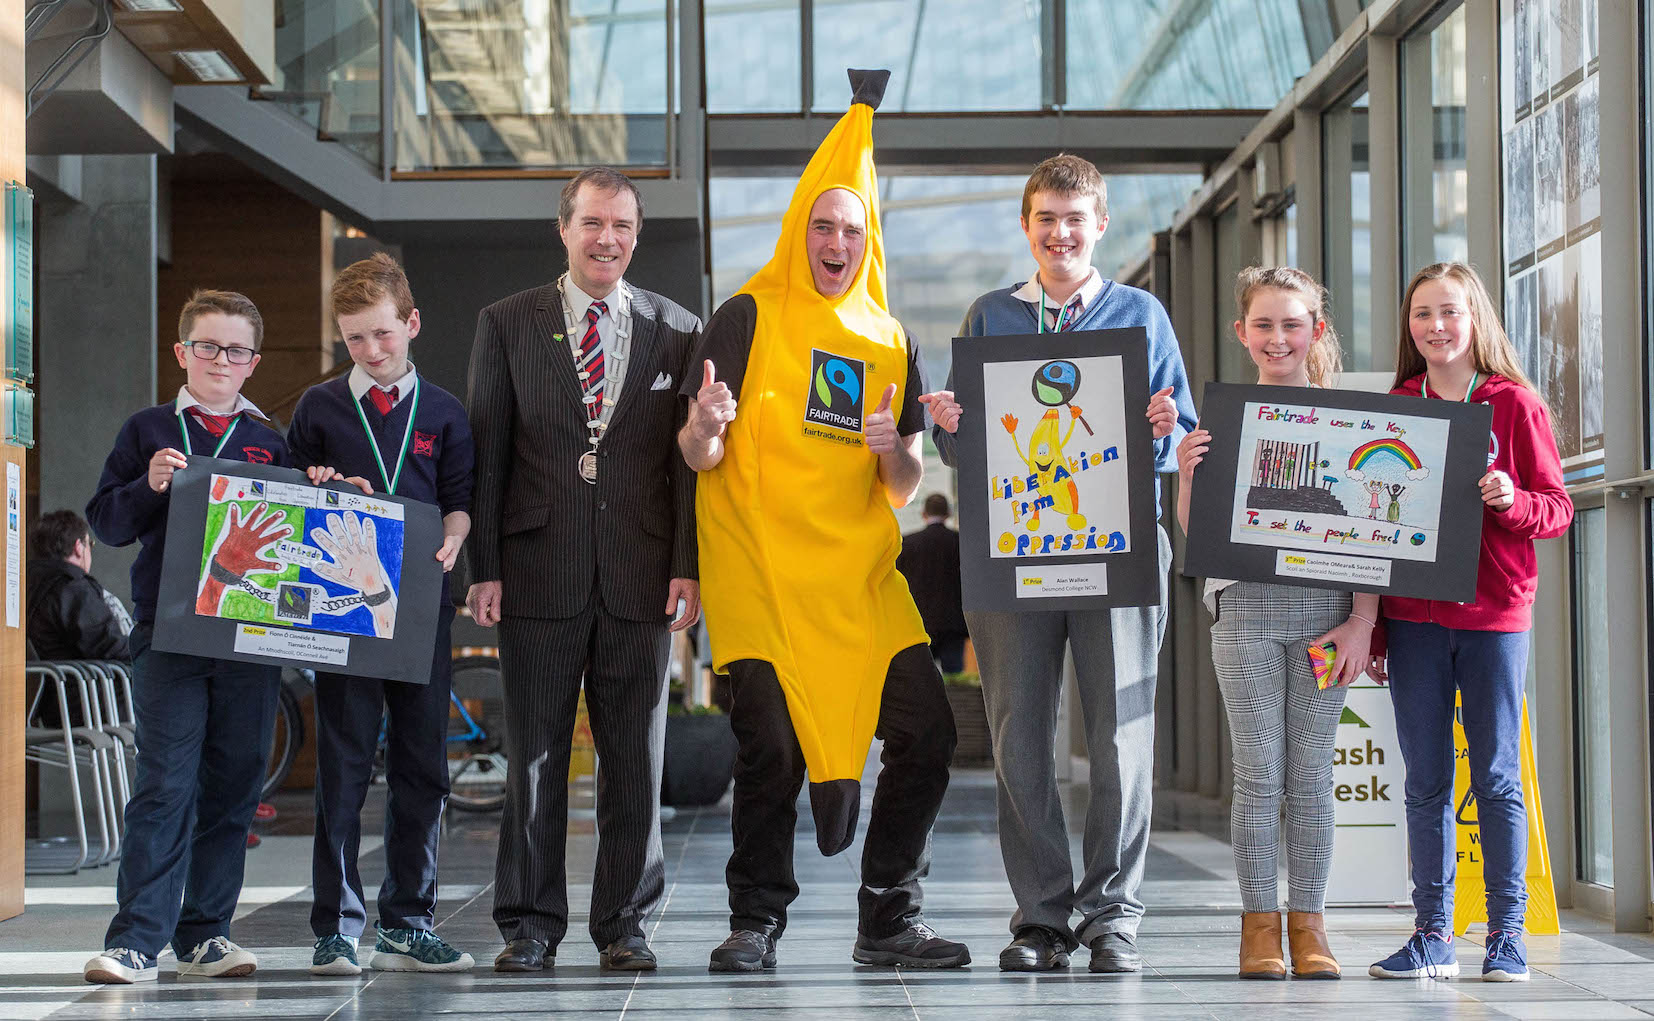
(203, 724)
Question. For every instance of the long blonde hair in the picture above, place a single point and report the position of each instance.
(1490, 348)
(1325, 359)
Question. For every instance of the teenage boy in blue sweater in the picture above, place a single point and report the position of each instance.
(384, 429)
(203, 725)
(1020, 655)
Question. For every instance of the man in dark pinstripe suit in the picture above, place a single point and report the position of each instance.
(582, 550)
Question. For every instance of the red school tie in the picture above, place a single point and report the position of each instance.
(214, 424)
(383, 400)
(591, 361)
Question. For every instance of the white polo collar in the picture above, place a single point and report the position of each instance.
(361, 382)
(1032, 292)
(186, 400)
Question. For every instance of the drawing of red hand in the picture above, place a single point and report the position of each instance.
(1010, 423)
(353, 543)
(240, 552)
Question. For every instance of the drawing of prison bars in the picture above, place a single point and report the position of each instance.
(1277, 464)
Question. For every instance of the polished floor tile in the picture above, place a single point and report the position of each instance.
(1189, 941)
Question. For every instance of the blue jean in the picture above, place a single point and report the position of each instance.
(203, 731)
(1427, 662)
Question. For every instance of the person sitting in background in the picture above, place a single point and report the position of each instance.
(71, 616)
(930, 562)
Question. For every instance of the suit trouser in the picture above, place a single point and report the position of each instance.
(203, 734)
(916, 725)
(542, 664)
(1116, 663)
(349, 712)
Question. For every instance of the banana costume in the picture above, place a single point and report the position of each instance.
(798, 542)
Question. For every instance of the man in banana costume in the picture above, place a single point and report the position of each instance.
(798, 546)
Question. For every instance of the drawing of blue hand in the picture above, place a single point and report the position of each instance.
(353, 544)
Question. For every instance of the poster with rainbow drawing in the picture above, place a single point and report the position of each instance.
(1339, 481)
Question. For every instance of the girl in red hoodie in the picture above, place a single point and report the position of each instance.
(1453, 348)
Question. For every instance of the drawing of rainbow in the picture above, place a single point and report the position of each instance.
(1367, 451)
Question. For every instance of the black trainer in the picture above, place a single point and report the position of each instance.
(1115, 952)
(916, 946)
(744, 950)
(1036, 948)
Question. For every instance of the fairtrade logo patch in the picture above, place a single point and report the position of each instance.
(837, 388)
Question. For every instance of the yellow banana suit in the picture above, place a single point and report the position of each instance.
(798, 542)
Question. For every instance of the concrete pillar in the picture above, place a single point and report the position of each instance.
(95, 333)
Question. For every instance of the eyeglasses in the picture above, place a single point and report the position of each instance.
(206, 350)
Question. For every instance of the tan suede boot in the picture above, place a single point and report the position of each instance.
(1260, 952)
(1307, 934)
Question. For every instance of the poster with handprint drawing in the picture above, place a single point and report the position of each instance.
(300, 556)
(283, 571)
(1339, 489)
(1056, 460)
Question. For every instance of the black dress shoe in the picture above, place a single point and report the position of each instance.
(628, 953)
(1115, 952)
(1036, 948)
(523, 955)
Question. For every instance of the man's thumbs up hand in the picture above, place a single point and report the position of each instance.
(714, 406)
(880, 427)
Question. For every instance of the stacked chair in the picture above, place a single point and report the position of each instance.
(93, 739)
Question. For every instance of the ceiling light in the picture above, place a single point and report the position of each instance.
(209, 65)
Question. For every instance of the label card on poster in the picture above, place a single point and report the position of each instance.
(1340, 489)
(264, 567)
(1056, 461)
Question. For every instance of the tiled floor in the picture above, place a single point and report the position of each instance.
(1189, 941)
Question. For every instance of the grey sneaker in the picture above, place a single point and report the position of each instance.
(917, 946)
(744, 950)
(335, 955)
(417, 950)
(120, 966)
(217, 958)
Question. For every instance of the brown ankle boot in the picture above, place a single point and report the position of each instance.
(1307, 934)
(1260, 952)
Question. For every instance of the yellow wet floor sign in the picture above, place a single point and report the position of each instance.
(1469, 892)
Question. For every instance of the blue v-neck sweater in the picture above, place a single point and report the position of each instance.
(1116, 306)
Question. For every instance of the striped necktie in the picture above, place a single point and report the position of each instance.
(1063, 318)
(590, 362)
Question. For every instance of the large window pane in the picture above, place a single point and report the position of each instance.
(1184, 54)
(1593, 765)
(1552, 199)
(953, 55)
(530, 83)
(327, 70)
(752, 56)
(1435, 182)
(1347, 244)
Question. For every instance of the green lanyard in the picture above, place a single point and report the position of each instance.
(407, 437)
(1475, 377)
(235, 421)
(1062, 313)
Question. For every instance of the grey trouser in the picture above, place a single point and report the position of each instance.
(1115, 657)
(1282, 730)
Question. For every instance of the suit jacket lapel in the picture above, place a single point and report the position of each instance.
(641, 359)
(551, 325)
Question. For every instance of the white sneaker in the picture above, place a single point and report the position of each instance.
(217, 958)
(120, 966)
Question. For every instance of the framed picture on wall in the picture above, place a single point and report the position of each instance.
(1340, 489)
(1055, 461)
(262, 566)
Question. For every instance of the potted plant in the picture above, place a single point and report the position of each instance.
(700, 754)
(970, 719)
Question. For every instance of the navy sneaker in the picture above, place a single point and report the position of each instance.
(120, 966)
(334, 955)
(1507, 958)
(217, 958)
(1429, 954)
(417, 950)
